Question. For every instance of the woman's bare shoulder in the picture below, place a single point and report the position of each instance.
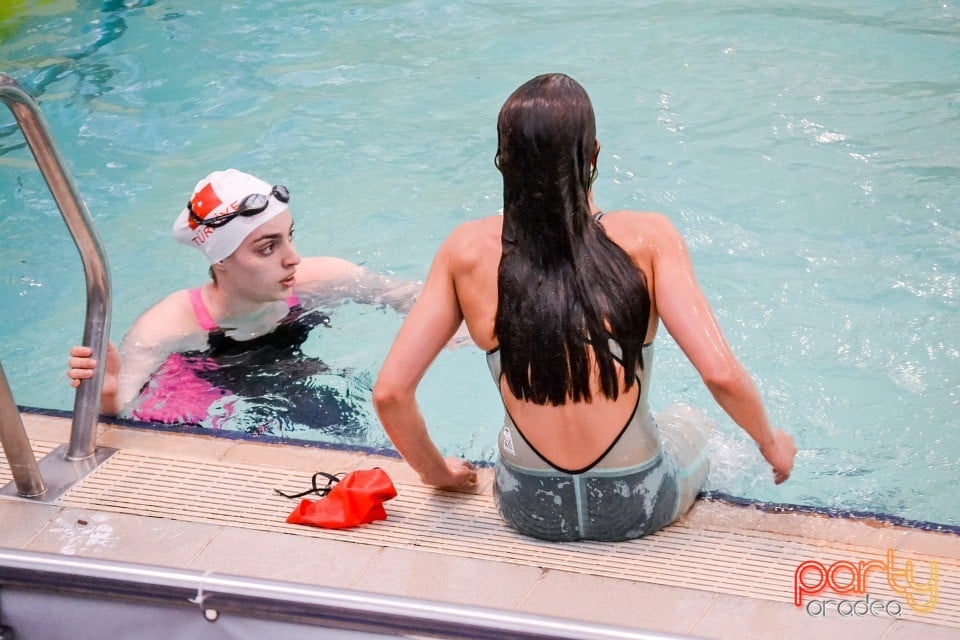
(638, 219)
(641, 231)
(473, 239)
(472, 230)
(170, 318)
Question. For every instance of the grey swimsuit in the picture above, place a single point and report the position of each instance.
(634, 488)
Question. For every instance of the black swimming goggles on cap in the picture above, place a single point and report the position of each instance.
(250, 206)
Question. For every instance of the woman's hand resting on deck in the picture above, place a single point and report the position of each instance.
(461, 476)
(780, 452)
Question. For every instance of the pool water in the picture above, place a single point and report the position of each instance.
(807, 151)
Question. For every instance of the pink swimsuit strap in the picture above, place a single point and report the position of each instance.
(203, 315)
(200, 311)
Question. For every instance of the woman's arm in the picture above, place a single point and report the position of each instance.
(431, 323)
(144, 348)
(127, 369)
(687, 316)
(335, 278)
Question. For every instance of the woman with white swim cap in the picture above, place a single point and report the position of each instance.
(567, 302)
(244, 228)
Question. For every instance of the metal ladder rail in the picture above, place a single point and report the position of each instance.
(96, 330)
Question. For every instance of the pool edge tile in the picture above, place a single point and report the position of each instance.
(651, 607)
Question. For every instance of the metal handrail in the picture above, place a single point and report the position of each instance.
(96, 330)
(13, 439)
(216, 595)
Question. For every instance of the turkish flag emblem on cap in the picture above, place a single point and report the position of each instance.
(203, 202)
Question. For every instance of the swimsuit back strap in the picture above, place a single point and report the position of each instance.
(200, 311)
(599, 458)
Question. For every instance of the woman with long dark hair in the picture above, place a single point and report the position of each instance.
(567, 300)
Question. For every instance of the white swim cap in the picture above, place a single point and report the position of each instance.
(221, 212)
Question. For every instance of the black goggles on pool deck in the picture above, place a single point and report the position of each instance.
(250, 206)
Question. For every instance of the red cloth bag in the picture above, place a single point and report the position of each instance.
(356, 499)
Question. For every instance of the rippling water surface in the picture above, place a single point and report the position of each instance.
(808, 152)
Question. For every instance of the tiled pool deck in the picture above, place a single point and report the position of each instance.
(725, 571)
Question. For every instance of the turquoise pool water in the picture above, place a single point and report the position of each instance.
(808, 151)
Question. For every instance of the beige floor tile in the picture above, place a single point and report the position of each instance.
(20, 521)
(870, 533)
(733, 618)
(822, 530)
(279, 556)
(720, 516)
(113, 536)
(164, 443)
(790, 524)
(908, 630)
(617, 602)
(449, 578)
(49, 428)
(943, 545)
(307, 459)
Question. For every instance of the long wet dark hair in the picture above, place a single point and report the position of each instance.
(564, 288)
